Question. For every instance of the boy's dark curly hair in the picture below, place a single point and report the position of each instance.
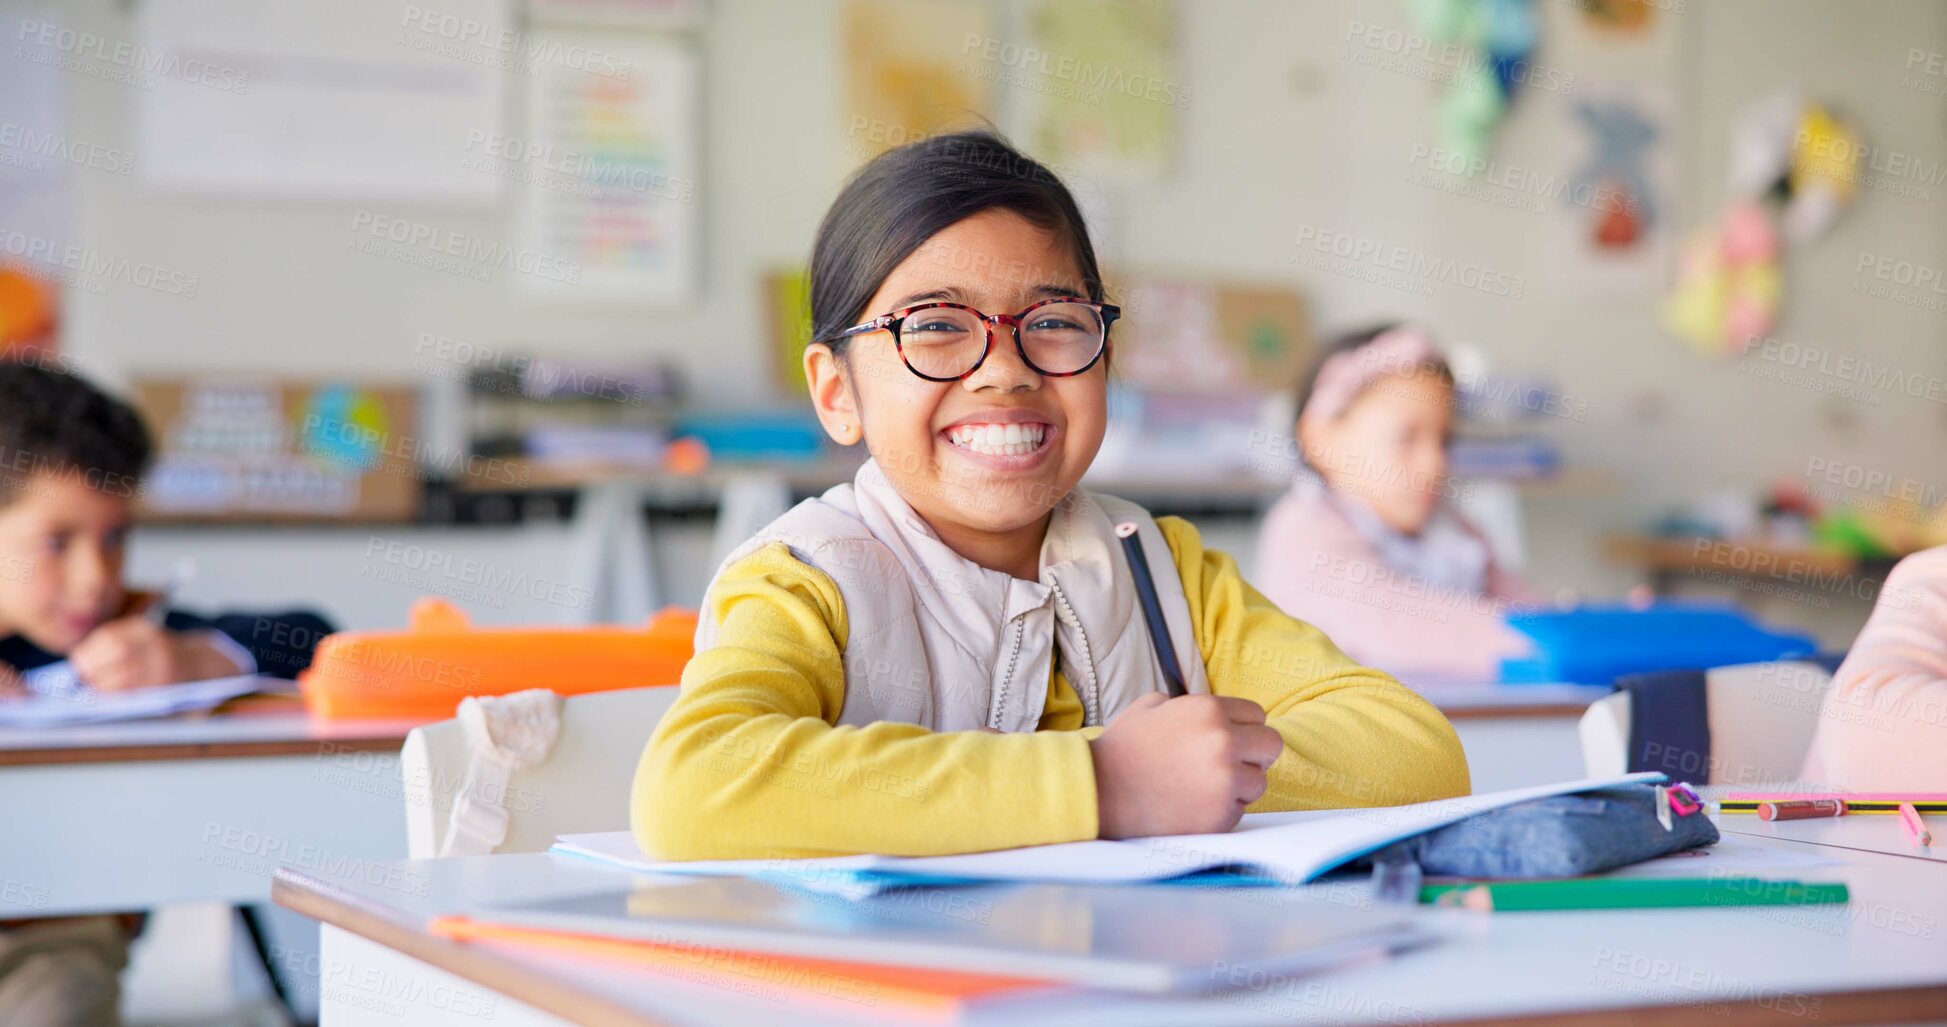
(56, 422)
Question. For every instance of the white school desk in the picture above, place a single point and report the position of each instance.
(139, 814)
(1875, 832)
(133, 815)
(1881, 958)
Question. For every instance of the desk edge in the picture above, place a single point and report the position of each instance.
(329, 904)
(150, 751)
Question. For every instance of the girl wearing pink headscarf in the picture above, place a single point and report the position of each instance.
(1365, 546)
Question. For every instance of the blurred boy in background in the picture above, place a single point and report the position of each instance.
(71, 463)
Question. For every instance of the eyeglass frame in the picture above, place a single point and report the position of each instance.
(1108, 312)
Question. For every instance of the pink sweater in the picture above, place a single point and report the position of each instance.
(1883, 726)
(1315, 565)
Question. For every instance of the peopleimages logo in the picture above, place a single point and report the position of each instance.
(54, 41)
(1079, 73)
(469, 255)
(56, 147)
(93, 266)
(1419, 56)
(597, 171)
(519, 45)
(1360, 253)
(1845, 368)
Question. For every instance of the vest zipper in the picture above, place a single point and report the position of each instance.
(1092, 696)
(1000, 694)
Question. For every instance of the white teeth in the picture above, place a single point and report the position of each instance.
(998, 439)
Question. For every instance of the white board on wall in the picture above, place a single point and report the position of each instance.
(347, 100)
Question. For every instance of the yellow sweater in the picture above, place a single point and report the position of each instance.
(749, 762)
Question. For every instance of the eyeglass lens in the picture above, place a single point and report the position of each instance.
(946, 342)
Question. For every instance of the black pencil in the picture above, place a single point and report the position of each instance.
(1159, 632)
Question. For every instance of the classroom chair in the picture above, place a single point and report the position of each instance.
(1494, 507)
(582, 785)
(1745, 724)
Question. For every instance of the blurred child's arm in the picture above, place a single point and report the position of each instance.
(748, 763)
(1353, 735)
(1884, 723)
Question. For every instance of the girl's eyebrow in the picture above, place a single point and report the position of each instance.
(952, 293)
(1057, 290)
(956, 294)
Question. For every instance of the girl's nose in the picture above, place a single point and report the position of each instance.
(1004, 369)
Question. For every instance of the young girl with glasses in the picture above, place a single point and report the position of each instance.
(950, 654)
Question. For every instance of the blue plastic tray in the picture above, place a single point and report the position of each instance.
(1595, 645)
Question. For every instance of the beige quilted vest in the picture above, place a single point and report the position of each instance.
(942, 642)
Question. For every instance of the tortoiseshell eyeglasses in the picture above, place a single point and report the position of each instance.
(946, 342)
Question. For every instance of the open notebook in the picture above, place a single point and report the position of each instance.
(1285, 847)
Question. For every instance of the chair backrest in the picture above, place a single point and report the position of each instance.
(1494, 507)
(582, 786)
(1762, 716)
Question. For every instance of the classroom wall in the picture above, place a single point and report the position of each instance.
(1282, 133)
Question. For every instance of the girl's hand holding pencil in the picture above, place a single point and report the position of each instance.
(1183, 765)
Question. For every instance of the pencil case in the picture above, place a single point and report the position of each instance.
(440, 658)
(1559, 836)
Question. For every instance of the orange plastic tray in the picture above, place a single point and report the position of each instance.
(441, 658)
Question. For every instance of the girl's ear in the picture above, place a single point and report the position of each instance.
(832, 395)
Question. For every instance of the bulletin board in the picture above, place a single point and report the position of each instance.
(279, 449)
(1202, 335)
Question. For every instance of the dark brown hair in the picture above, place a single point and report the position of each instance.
(54, 421)
(905, 196)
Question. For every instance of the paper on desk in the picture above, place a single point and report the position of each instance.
(58, 708)
(1291, 847)
(55, 680)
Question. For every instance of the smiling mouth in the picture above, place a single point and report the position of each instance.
(998, 439)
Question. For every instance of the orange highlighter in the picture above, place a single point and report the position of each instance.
(1915, 826)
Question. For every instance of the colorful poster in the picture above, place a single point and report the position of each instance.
(903, 62)
(1611, 183)
(1611, 230)
(1100, 84)
(610, 172)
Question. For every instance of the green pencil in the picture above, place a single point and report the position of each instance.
(1632, 893)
